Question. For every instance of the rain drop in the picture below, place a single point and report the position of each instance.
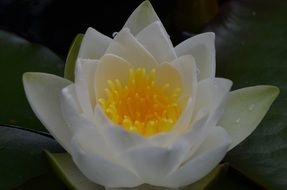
(114, 34)
(237, 120)
(197, 71)
(251, 107)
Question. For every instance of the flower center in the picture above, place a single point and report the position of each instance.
(142, 106)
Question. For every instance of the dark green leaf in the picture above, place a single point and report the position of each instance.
(44, 182)
(223, 178)
(207, 180)
(16, 57)
(251, 50)
(72, 56)
(68, 172)
(22, 158)
(229, 179)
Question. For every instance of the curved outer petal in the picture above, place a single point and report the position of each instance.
(126, 46)
(195, 132)
(111, 67)
(84, 83)
(185, 117)
(186, 66)
(95, 160)
(71, 110)
(244, 110)
(155, 39)
(209, 154)
(94, 45)
(152, 163)
(43, 93)
(212, 95)
(201, 47)
(142, 16)
(210, 99)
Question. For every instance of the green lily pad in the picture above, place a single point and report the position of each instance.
(251, 50)
(68, 172)
(44, 182)
(16, 57)
(22, 158)
(72, 56)
(230, 179)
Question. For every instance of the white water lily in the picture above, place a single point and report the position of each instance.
(143, 112)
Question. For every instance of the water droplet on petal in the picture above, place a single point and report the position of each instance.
(237, 120)
(251, 107)
(197, 71)
(114, 34)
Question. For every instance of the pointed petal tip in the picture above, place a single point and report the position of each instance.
(42, 92)
(89, 29)
(210, 35)
(35, 75)
(28, 75)
(141, 17)
(240, 122)
(275, 89)
(146, 4)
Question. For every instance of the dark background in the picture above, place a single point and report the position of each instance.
(55, 23)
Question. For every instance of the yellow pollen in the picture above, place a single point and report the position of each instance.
(142, 106)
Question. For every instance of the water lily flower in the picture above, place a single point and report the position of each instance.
(143, 112)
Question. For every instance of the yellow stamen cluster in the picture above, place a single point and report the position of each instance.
(141, 105)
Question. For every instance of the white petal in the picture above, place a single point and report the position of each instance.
(84, 82)
(142, 16)
(244, 110)
(120, 139)
(185, 117)
(126, 46)
(212, 95)
(153, 163)
(196, 132)
(92, 157)
(71, 110)
(111, 67)
(94, 44)
(210, 153)
(201, 47)
(167, 74)
(155, 39)
(186, 66)
(43, 93)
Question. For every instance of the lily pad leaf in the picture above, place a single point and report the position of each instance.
(16, 57)
(245, 109)
(68, 172)
(21, 153)
(72, 56)
(251, 50)
(207, 180)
